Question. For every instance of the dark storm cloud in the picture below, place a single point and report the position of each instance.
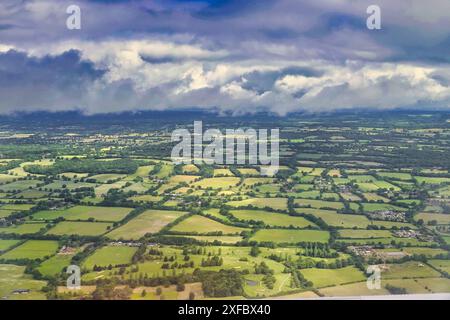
(47, 82)
(263, 81)
(228, 54)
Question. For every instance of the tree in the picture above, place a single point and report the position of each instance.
(158, 291)
(255, 251)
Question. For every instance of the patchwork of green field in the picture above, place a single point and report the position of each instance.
(23, 229)
(200, 224)
(331, 277)
(217, 183)
(81, 228)
(262, 203)
(427, 217)
(410, 269)
(85, 213)
(318, 204)
(223, 172)
(349, 196)
(55, 265)
(387, 241)
(303, 187)
(371, 207)
(290, 236)
(106, 177)
(139, 187)
(216, 214)
(271, 188)
(442, 265)
(73, 175)
(146, 198)
(6, 244)
(352, 289)
(13, 277)
(181, 178)
(431, 180)
(248, 171)
(32, 249)
(165, 171)
(103, 189)
(421, 285)
(190, 168)
(110, 255)
(68, 185)
(428, 252)
(212, 239)
(250, 182)
(396, 175)
(142, 172)
(271, 218)
(16, 207)
(5, 178)
(370, 196)
(332, 218)
(150, 221)
(31, 194)
(19, 185)
(360, 234)
(254, 285)
(9, 209)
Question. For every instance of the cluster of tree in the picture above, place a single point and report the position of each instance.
(303, 263)
(318, 250)
(214, 261)
(263, 268)
(224, 283)
(108, 290)
(269, 280)
(92, 166)
(299, 281)
(395, 290)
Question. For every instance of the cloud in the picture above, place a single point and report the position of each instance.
(240, 56)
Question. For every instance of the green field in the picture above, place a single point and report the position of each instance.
(290, 236)
(274, 203)
(271, 218)
(331, 277)
(335, 219)
(21, 229)
(359, 234)
(80, 228)
(427, 217)
(32, 249)
(55, 265)
(150, 221)
(110, 255)
(410, 269)
(318, 204)
(12, 277)
(6, 244)
(84, 213)
(201, 225)
(20, 185)
(442, 265)
(217, 183)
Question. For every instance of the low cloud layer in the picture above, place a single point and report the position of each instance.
(280, 56)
